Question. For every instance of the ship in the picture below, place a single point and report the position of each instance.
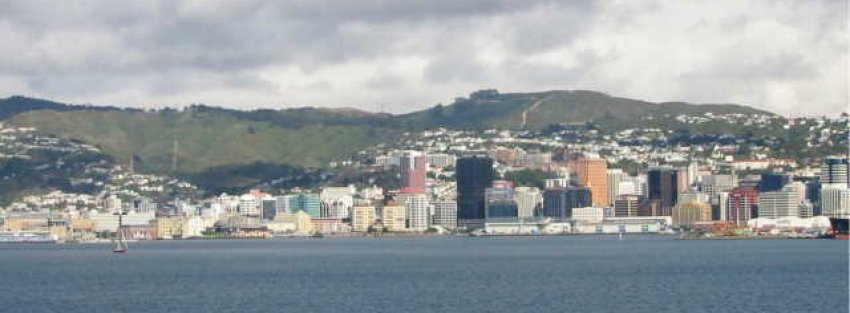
(27, 237)
(840, 227)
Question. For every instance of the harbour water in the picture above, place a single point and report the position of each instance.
(437, 274)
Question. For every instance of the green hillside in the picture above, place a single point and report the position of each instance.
(488, 108)
(204, 139)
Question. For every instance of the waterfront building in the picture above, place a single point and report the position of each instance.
(300, 220)
(615, 178)
(282, 204)
(528, 201)
(588, 214)
(445, 213)
(687, 213)
(835, 200)
(626, 205)
(337, 202)
(414, 167)
(500, 201)
(249, 205)
(593, 174)
(310, 203)
(474, 175)
(558, 203)
(362, 217)
(269, 207)
(417, 209)
(835, 170)
(776, 204)
(168, 226)
(743, 202)
(663, 186)
(393, 217)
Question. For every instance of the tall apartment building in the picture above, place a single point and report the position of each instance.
(615, 177)
(663, 187)
(393, 217)
(593, 174)
(835, 170)
(742, 204)
(362, 217)
(835, 201)
(445, 213)
(417, 208)
(414, 168)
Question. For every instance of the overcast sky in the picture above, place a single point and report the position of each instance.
(789, 57)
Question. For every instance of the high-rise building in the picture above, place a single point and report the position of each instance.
(626, 206)
(474, 175)
(310, 203)
(393, 217)
(417, 208)
(687, 213)
(615, 177)
(691, 196)
(337, 201)
(776, 204)
(719, 206)
(714, 184)
(593, 174)
(445, 213)
(414, 167)
(773, 182)
(269, 205)
(362, 217)
(558, 203)
(835, 170)
(500, 202)
(663, 186)
(528, 200)
(835, 201)
(743, 202)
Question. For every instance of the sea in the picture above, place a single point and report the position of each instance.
(430, 274)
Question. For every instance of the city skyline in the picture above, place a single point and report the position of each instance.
(401, 57)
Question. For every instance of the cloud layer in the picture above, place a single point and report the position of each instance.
(789, 57)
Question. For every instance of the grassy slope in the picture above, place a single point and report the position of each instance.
(205, 140)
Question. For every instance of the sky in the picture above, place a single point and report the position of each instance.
(788, 57)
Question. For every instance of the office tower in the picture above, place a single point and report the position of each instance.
(835, 170)
(835, 201)
(719, 206)
(337, 201)
(282, 203)
(558, 203)
(557, 183)
(813, 195)
(417, 208)
(689, 212)
(528, 201)
(682, 179)
(474, 175)
(691, 196)
(445, 213)
(742, 204)
(393, 217)
(776, 204)
(593, 174)
(310, 203)
(499, 201)
(414, 167)
(692, 170)
(615, 177)
(714, 184)
(773, 182)
(626, 205)
(249, 205)
(663, 187)
(362, 217)
(269, 207)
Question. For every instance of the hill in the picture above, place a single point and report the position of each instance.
(489, 108)
(204, 138)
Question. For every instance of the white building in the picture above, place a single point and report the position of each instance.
(776, 204)
(527, 200)
(615, 177)
(337, 201)
(835, 201)
(417, 206)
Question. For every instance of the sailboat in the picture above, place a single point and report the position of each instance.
(121, 245)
